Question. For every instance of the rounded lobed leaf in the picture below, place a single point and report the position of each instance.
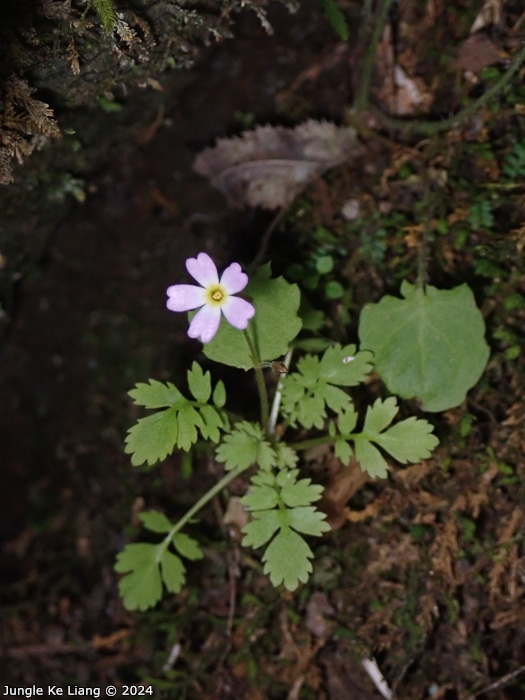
(429, 345)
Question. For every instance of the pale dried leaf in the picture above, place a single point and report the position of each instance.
(235, 518)
(477, 52)
(399, 93)
(318, 609)
(270, 166)
(489, 14)
(411, 95)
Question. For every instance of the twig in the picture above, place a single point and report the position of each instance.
(267, 235)
(363, 89)
(498, 684)
(430, 128)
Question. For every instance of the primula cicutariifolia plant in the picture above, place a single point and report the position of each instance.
(260, 330)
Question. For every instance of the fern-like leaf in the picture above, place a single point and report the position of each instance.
(107, 14)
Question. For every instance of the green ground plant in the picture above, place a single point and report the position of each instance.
(421, 346)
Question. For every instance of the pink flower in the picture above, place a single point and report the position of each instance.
(213, 296)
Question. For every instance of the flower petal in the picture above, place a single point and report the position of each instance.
(184, 297)
(205, 323)
(234, 279)
(238, 312)
(203, 269)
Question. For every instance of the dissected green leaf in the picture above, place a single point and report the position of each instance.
(261, 498)
(246, 445)
(335, 398)
(285, 456)
(344, 366)
(282, 503)
(308, 392)
(173, 571)
(272, 329)
(308, 520)
(297, 493)
(343, 451)
(302, 406)
(155, 521)
(152, 438)
(199, 383)
(264, 525)
(156, 394)
(213, 421)
(141, 588)
(287, 559)
(263, 478)
(429, 345)
(219, 394)
(347, 421)
(409, 441)
(369, 457)
(189, 420)
(381, 414)
(155, 436)
(187, 546)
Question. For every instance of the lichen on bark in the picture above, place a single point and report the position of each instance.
(62, 49)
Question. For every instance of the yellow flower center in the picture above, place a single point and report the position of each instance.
(216, 295)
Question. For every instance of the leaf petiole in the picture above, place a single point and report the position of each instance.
(206, 498)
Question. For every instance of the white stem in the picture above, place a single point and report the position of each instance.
(377, 677)
(276, 403)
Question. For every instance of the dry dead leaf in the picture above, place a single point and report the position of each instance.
(110, 640)
(235, 518)
(342, 484)
(413, 474)
(386, 556)
(506, 557)
(270, 166)
(370, 511)
(401, 94)
(444, 552)
(73, 57)
(489, 14)
(515, 617)
(318, 609)
(477, 52)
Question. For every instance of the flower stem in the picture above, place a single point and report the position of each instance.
(261, 386)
